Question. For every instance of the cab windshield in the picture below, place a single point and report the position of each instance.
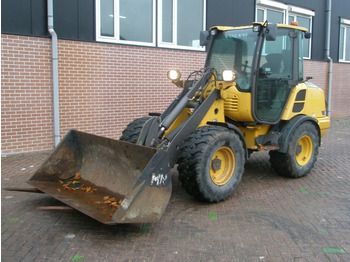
(234, 50)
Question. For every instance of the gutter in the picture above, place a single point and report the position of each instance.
(54, 58)
(327, 52)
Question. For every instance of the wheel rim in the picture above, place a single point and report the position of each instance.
(304, 150)
(222, 166)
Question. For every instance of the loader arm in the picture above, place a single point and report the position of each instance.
(176, 137)
(154, 132)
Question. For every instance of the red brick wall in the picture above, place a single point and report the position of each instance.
(26, 100)
(340, 90)
(102, 87)
(318, 71)
(340, 105)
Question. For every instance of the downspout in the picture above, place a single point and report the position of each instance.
(327, 54)
(54, 58)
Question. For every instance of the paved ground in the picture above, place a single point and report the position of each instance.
(269, 218)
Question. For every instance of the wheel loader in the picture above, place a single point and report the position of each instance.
(249, 96)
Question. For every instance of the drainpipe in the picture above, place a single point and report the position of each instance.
(54, 58)
(330, 60)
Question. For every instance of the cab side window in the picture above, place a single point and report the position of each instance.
(275, 71)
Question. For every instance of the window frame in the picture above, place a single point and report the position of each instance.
(304, 13)
(265, 5)
(288, 10)
(116, 38)
(173, 44)
(344, 23)
(156, 27)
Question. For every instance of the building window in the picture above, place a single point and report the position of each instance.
(107, 18)
(276, 12)
(272, 11)
(304, 18)
(344, 40)
(134, 22)
(272, 16)
(126, 21)
(179, 23)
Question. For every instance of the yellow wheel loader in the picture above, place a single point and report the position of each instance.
(250, 96)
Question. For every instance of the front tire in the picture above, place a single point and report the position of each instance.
(132, 132)
(301, 154)
(211, 163)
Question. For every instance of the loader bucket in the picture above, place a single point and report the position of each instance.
(109, 180)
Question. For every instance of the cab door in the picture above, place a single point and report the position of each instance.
(275, 77)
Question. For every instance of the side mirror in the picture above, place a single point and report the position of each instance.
(271, 32)
(308, 78)
(204, 38)
(307, 35)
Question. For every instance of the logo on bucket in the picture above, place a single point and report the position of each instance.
(159, 180)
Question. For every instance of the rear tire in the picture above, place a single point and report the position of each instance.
(211, 163)
(301, 154)
(132, 131)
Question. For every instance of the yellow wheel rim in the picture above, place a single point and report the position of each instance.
(222, 166)
(303, 152)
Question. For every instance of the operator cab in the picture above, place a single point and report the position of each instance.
(267, 61)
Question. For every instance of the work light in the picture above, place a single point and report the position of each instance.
(228, 75)
(173, 75)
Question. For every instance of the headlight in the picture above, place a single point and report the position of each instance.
(228, 75)
(173, 75)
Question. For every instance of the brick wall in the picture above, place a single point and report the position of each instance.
(340, 105)
(102, 87)
(318, 71)
(340, 90)
(26, 100)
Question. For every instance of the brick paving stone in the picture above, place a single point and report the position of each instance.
(268, 218)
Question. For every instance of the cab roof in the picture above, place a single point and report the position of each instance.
(226, 28)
